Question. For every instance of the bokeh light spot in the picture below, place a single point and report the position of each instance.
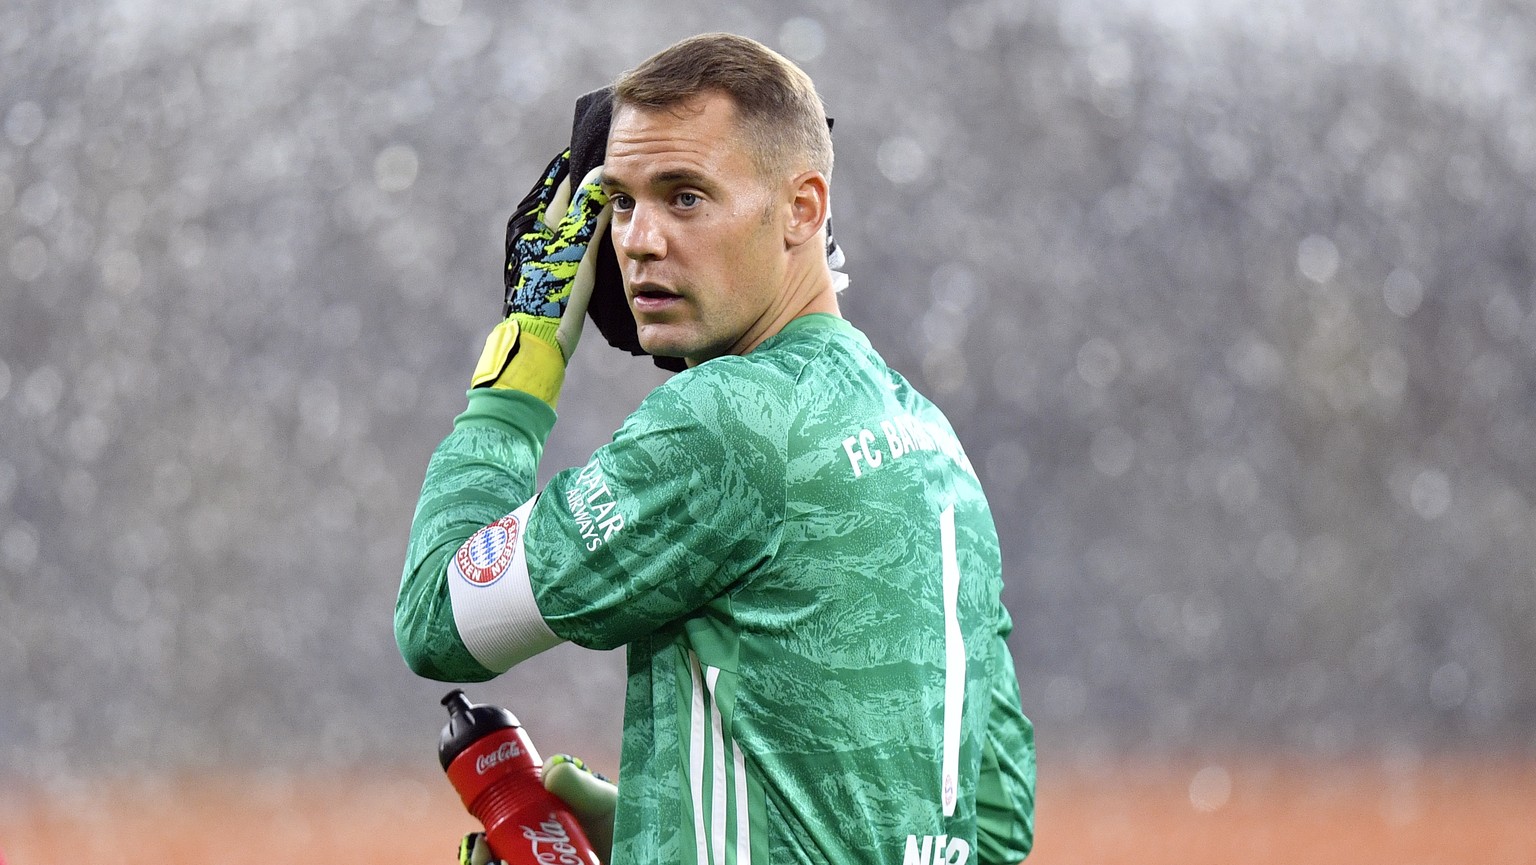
(395, 168)
(1403, 292)
(439, 13)
(1430, 494)
(1317, 258)
(1112, 451)
(902, 160)
(28, 258)
(1449, 685)
(802, 39)
(24, 123)
(1210, 789)
(1099, 362)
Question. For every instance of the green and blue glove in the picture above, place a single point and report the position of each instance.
(551, 266)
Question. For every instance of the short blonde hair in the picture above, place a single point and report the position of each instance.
(776, 103)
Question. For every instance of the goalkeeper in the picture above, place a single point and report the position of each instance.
(786, 537)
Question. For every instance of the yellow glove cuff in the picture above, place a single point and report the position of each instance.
(519, 360)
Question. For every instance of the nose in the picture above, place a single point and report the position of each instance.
(639, 235)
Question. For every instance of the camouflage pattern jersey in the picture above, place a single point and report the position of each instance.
(796, 552)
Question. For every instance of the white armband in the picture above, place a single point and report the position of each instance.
(493, 604)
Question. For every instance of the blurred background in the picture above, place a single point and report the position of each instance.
(1230, 302)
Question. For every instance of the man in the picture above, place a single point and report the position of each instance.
(787, 538)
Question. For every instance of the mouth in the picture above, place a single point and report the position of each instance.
(650, 297)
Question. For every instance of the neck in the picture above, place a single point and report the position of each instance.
(819, 294)
(807, 290)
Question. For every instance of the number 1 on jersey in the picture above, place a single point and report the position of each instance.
(954, 662)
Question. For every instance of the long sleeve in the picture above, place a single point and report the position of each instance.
(1005, 795)
(482, 471)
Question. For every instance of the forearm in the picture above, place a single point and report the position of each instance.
(482, 471)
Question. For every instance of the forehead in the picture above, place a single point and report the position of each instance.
(698, 136)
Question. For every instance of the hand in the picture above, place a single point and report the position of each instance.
(474, 851)
(549, 238)
(550, 269)
(590, 796)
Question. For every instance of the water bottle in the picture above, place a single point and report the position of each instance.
(492, 763)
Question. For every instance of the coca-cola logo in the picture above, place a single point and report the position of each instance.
(551, 844)
(486, 762)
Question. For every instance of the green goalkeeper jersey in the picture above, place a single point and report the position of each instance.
(795, 551)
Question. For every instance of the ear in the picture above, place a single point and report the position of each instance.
(809, 204)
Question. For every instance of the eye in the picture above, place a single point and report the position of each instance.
(621, 202)
(687, 199)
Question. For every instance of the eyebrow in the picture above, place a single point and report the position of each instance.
(663, 178)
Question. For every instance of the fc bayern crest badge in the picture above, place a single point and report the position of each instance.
(485, 556)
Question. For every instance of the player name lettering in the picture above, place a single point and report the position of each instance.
(936, 850)
(485, 762)
(551, 844)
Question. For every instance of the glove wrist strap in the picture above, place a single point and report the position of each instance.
(517, 357)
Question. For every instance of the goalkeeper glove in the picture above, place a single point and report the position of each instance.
(590, 796)
(549, 273)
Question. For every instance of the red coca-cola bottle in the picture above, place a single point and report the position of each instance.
(492, 763)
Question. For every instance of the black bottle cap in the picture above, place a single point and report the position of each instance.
(467, 723)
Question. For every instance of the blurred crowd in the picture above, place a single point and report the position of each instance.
(1231, 304)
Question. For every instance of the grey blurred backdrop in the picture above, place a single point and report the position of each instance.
(1231, 303)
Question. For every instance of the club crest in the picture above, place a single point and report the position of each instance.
(484, 557)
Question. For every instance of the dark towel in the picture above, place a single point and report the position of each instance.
(608, 309)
